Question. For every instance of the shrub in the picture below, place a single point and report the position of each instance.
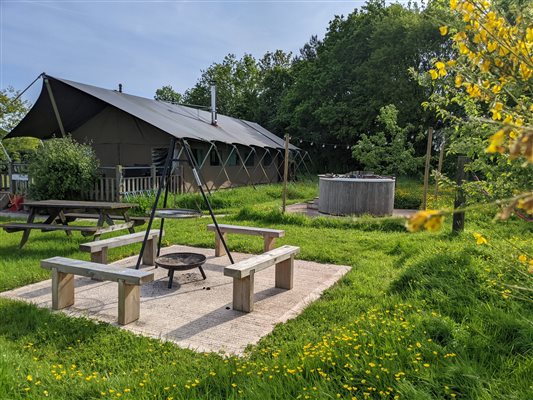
(62, 169)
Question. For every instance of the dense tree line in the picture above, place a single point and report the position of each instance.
(334, 89)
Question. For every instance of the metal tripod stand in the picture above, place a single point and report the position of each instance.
(167, 170)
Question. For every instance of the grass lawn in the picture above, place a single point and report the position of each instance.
(419, 316)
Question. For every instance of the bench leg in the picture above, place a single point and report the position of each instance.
(150, 251)
(62, 289)
(269, 243)
(219, 247)
(100, 257)
(285, 274)
(243, 293)
(129, 302)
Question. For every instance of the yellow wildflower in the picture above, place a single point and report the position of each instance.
(496, 89)
(525, 71)
(458, 81)
(443, 30)
(430, 219)
(496, 111)
(485, 66)
(480, 239)
(434, 74)
(473, 90)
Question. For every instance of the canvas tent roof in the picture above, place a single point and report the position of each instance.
(77, 103)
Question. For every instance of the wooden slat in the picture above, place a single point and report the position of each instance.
(116, 227)
(137, 220)
(247, 230)
(97, 271)
(79, 204)
(20, 226)
(117, 241)
(262, 261)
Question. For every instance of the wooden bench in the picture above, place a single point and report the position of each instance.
(22, 226)
(243, 274)
(98, 248)
(137, 221)
(269, 235)
(129, 283)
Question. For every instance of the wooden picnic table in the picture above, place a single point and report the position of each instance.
(62, 212)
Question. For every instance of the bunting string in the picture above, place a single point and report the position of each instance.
(318, 144)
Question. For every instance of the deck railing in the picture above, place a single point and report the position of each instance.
(114, 183)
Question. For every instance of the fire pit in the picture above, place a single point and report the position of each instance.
(180, 262)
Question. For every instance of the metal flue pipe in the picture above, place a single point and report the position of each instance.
(213, 104)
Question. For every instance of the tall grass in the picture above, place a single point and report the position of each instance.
(419, 316)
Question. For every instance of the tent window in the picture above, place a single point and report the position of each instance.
(159, 156)
(213, 158)
(250, 159)
(233, 160)
(267, 160)
(198, 155)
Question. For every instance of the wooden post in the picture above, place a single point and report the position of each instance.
(129, 302)
(219, 247)
(243, 293)
(426, 170)
(119, 183)
(458, 224)
(285, 274)
(62, 289)
(439, 167)
(150, 251)
(153, 174)
(10, 177)
(285, 172)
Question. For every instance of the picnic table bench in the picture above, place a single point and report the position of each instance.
(243, 274)
(269, 235)
(56, 210)
(137, 221)
(129, 283)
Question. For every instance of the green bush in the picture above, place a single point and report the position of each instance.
(62, 169)
(407, 200)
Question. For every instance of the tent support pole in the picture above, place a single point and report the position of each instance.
(278, 167)
(310, 160)
(223, 163)
(4, 150)
(162, 186)
(243, 162)
(54, 106)
(299, 163)
(259, 164)
(270, 180)
(188, 153)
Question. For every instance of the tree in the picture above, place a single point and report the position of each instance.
(166, 93)
(361, 66)
(237, 86)
(490, 82)
(387, 152)
(11, 113)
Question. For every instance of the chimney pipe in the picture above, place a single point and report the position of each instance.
(213, 104)
(120, 87)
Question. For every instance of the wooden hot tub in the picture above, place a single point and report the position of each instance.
(356, 196)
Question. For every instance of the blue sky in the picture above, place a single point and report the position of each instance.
(147, 44)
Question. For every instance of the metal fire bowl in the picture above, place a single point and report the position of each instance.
(180, 261)
(177, 213)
